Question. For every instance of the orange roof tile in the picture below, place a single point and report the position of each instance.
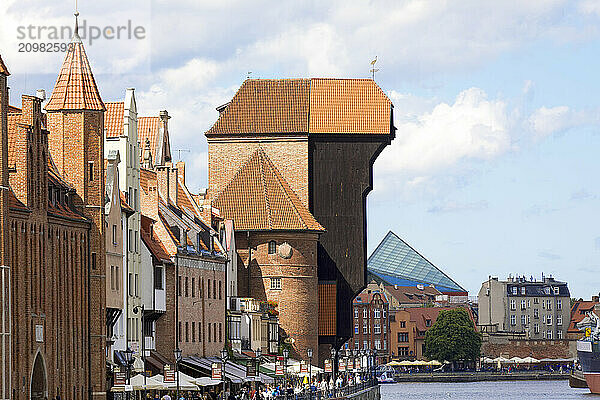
(124, 206)
(184, 200)
(146, 175)
(152, 241)
(578, 313)
(330, 106)
(3, 69)
(148, 128)
(75, 87)
(259, 198)
(113, 119)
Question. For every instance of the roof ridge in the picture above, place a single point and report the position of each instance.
(261, 155)
(282, 184)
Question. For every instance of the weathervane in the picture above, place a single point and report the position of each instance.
(373, 69)
(179, 152)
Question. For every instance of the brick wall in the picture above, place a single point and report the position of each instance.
(288, 153)
(297, 299)
(523, 348)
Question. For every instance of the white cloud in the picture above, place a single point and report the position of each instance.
(473, 127)
(589, 7)
(547, 121)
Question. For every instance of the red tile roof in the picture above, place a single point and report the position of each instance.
(259, 198)
(3, 69)
(124, 206)
(152, 241)
(412, 294)
(113, 119)
(578, 312)
(75, 87)
(327, 106)
(13, 109)
(14, 203)
(145, 176)
(420, 315)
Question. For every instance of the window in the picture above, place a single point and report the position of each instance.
(93, 260)
(118, 278)
(356, 345)
(365, 328)
(402, 351)
(427, 322)
(208, 291)
(513, 304)
(559, 320)
(549, 304)
(523, 290)
(549, 319)
(276, 283)
(383, 313)
(377, 329)
(220, 332)
(536, 313)
(402, 336)
(179, 285)
(559, 304)
(112, 277)
(201, 287)
(272, 247)
(536, 328)
(384, 344)
(514, 290)
(559, 334)
(523, 304)
(547, 290)
(220, 291)
(356, 313)
(91, 170)
(536, 301)
(528, 303)
(402, 324)
(129, 239)
(214, 290)
(215, 332)
(187, 332)
(377, 344)
(193, 331)
(187, 293)
(365, 313)
(523, 319)
(136, 285)
(528, 319)
(365, 345)
(179, 331)
(356, 329)
(556, 290)
(193, 287)
(114, 234)
(549, 335)
(513, 319)
(377, 313)
(208, 333)
(130, 284)
(135, 240)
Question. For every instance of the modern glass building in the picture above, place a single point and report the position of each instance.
(395, 262)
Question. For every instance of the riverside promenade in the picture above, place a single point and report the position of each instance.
(479, 376)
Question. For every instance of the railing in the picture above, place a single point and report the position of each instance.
(322, 394)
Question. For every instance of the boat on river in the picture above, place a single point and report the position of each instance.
(588, 351)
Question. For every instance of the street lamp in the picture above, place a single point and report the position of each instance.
(286, 354)
(128, 360)
(333, 366)
(374, 363)
(310, 354)
(136, 309)
(223, 361)
(177, 354)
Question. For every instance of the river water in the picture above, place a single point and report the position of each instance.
(505, 390)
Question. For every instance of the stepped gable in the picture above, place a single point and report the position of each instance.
(113, 119)
(75, 87)
(316, 106)
(259, 198)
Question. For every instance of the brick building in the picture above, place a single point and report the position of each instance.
(52, 171)
(372, 322)
(322, 136)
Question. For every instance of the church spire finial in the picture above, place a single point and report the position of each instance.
(76, 37)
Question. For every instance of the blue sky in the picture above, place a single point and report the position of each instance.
(495, 164)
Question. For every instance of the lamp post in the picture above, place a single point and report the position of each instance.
(309, 352)
(136, 309)
(128, 360)
(257, 353)
(333, 367)
(286, 354)
(374, 364)
(177, 354)
(223, 361)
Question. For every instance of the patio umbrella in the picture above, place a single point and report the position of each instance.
(530, 360)
(138, 384)
(516, 360)
(394, 364)
(186, 382)
(207, 381)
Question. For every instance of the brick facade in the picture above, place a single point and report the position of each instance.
(297, 297)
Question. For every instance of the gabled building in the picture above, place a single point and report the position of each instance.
(121, 128)
(322, 136)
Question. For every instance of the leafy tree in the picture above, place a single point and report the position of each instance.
(453, 337)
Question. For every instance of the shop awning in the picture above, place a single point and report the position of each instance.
(233, 372)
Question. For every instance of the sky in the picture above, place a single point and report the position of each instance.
(495, 165)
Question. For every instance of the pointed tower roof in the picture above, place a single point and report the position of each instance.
(3, 69)
(259, 198)
(75, 88)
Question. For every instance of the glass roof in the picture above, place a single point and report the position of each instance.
(394, 258)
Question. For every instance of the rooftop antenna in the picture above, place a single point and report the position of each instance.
(373, 69)
(249, 74)
(179, 152)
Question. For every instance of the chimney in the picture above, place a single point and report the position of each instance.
(162, 177)
(180, 165)
(40, 94)
(172, 183)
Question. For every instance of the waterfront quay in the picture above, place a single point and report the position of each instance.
(481, 376)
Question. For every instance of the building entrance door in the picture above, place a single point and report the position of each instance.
(39, 384)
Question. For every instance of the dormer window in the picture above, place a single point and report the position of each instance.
(272, 247)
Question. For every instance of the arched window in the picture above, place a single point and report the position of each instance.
(272, 247)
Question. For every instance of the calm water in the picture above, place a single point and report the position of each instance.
(518, 390)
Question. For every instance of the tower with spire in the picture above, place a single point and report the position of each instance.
(75, 118)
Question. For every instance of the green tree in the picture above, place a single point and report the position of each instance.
(453, 337)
